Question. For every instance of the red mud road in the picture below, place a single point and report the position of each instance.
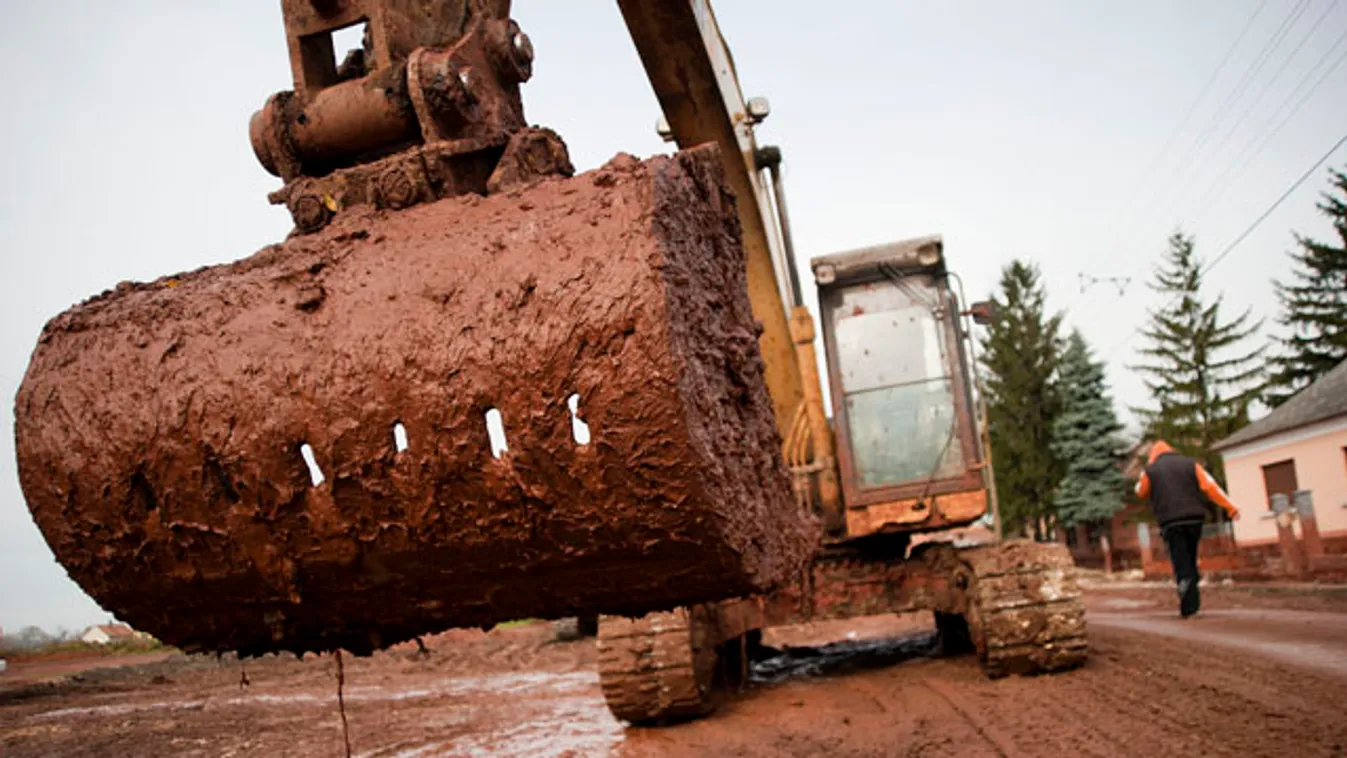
(1257, 674)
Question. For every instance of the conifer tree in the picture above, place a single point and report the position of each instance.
(1020, 355)
(1085, 440)
(1314, 304)
(1197, 366)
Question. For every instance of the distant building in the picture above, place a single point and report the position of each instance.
(1300, 446)
(104, 634)
(1123, 530)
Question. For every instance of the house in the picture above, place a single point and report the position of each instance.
(104, 634)
(1300, 447)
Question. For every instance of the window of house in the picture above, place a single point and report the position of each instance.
(1279, 478)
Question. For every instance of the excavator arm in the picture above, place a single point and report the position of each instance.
(692, 73)
(693, 76)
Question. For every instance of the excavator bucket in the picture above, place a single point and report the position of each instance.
(537, 403)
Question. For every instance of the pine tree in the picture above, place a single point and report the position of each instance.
(1085, 440)
(1197, 368)
(1020, 353)
(1314, 306)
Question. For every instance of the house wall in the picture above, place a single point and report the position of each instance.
(1084, 545)
(96, 636)
(1320, 455)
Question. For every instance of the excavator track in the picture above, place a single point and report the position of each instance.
(659, 667)
(1024, 608)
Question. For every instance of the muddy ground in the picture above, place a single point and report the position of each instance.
(1261, 672)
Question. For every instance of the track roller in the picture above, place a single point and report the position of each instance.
(659, 667)
(1024, 611)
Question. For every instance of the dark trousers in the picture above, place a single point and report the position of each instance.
(1182, 540)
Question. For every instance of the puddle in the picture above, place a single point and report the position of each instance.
(536, 684)
(543, 715)
(568, 727)
(1123, 603)
(547, 715)
(120, 710)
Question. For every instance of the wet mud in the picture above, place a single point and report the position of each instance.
(516, 692)
(1309, 639)
(296, 451)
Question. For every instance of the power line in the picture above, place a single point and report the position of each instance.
(1203, 137)
(1192, 109)
(1237, 167)
(1245, 234)
(1216, 152)
(1200, 152)
(1173, 137)
(1308, 172)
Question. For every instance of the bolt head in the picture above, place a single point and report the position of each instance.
(759, 109)
(522, 46)
(663, 129)
(397, 189)
(309, 213)
(514, 54)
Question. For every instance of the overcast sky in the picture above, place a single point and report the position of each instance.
(1051, 131)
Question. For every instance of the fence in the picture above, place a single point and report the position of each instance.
(1219, 552)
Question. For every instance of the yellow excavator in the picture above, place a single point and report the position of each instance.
(473, 387)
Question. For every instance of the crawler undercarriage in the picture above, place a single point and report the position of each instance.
(1016, 604)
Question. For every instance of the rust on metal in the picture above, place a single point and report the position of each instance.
(423, 111)
(214, 457)
(945, 511)
(1016, 604)
(1020, 600)
(846, 583)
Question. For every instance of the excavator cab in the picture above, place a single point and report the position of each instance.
(908, 444)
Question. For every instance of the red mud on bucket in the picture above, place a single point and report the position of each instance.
(292, 452)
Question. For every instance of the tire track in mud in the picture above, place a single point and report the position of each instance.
(1135, 717)
(916, 724)
(1140, 718)
(1267, 634)
(1022, 716)
(1216, 702)
(1138, 695)
(1138, 722)
(1258, 681)
(983, 730)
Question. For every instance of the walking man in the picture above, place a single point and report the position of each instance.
(1179, 490)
